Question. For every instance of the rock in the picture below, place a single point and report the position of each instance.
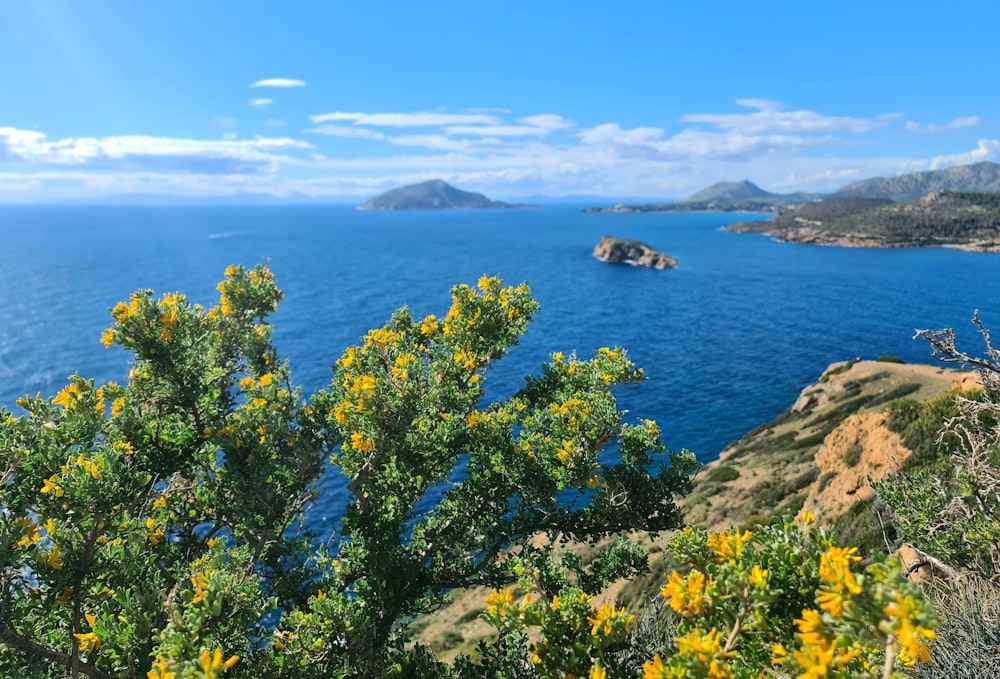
(625, 251)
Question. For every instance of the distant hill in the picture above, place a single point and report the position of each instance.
(969, 221)
(979, 178)
(435, 194)
(743, 190)
(744, 196)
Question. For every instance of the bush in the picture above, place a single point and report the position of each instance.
(153, 529)
(889, 358)
(722, 474)
(734, 600)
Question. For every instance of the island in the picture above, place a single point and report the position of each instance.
(963, 220)
(435, 194)
(624, 251)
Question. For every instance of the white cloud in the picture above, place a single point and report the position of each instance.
(496, 130)
(263, 102)
(957, 123)
(770, 118)
(419, 119)
(766, 105)
(341, 131)
(986, 149)
(548, 121)
(137, 153)
(279, 82)
(274, 122)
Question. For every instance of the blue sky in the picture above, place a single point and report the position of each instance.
(339, 101)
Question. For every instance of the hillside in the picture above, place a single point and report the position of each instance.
(978, 178)
(855, 421)
(968, 221)
(743, 196)
(435, 194)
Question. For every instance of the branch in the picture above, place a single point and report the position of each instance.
(924, 559)
(26, 645)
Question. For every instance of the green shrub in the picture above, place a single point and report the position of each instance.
(889, 358)
(722, 474)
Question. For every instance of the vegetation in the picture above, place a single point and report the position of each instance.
(938, 219)
(155, 529)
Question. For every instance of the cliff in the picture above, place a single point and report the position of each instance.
(624, 251)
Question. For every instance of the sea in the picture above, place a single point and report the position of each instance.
(728, 339)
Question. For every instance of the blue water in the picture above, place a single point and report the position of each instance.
(728, 339)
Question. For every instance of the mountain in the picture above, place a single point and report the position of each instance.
(980, 177)
(970, 221)
(720, 191)
(435, 194)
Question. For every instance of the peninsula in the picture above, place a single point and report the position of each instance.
(435, 194)
(741, 196)
(967, 221)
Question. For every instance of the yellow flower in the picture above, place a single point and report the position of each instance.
(68, 397)
(607, 614)
(247, 383)
(89, 642)
(159, 670)
(360, 443)
(498, 600)
(702, 646)
(65, 596)
(108, 337)
(810, 626)
(597, 672)
(266, 379)
(728, 545)
(808, 519)
(911, 635)
(429, 326)
(688, 596)
(656, 669)
(51, 485)
(567, 451)
(212, 664)
(155, 534)
(609, 353)
(117, 406)
(198, 583)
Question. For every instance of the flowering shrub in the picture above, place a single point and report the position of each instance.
(153, 529)
(785, 601)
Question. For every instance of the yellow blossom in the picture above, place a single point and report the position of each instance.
(691, 595)
(159, 670)
(51, 484)
(758, 577)
(68, 397)
(498, 600)
(213, 665)
(360, 443)
(429, 326)
(266, 379)
(108, 337)
(607, 614)
(728, 545)
(89, 642)
(117, 406)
